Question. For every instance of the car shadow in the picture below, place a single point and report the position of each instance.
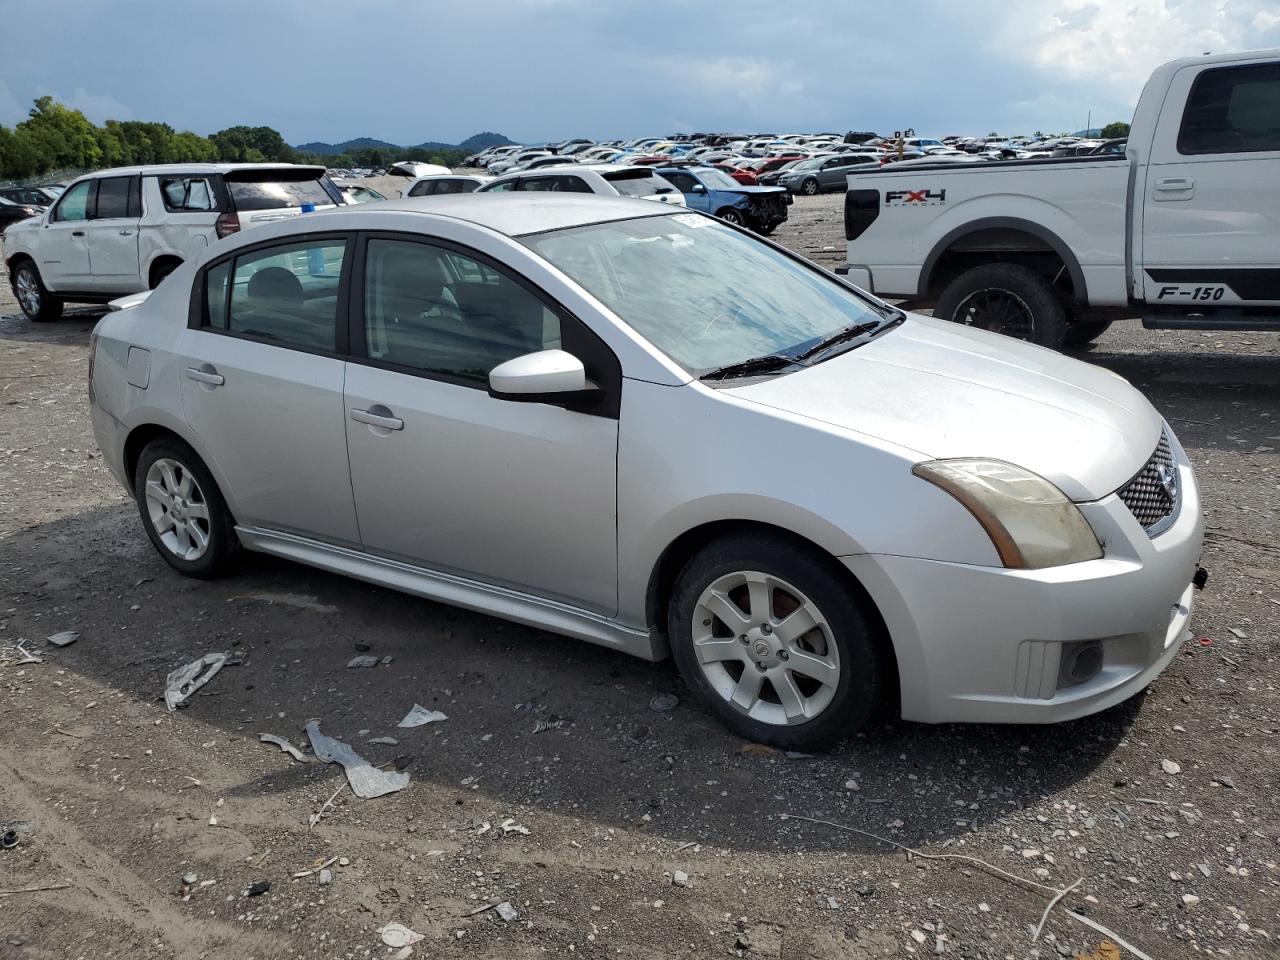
(536, 719)
(74, 327)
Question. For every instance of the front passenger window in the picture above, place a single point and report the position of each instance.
(287, 294)
(74, 204)
(434, 310)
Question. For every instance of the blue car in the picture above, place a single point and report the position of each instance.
(709, 190)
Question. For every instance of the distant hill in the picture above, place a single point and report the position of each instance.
(473, 144)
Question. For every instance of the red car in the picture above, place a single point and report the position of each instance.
(745, 177)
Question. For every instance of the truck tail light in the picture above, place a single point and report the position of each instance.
(227, 224)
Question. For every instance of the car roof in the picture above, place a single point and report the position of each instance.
(186, 169)
(516, 214)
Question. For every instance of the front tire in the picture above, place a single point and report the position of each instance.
(183, 511)
(774, 640)
(730, 215)
(1006, 298)
(810, 187)
(37, 303)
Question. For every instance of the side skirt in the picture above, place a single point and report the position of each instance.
(457, 591)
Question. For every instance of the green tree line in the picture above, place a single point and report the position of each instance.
(56, 137)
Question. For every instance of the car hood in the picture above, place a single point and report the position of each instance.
(948, 391)
(743, 188)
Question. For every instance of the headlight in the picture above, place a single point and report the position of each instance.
(1031, 522)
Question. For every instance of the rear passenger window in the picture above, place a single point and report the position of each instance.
(187, 194)
(1232, 110)
(114, 198)
(424, 189)
(286, 295)
(438, 311)
(555, 184)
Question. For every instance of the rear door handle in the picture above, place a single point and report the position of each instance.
(377, 416)
(77, 233)
(126, 233)
(210, 377)
(1176, 183)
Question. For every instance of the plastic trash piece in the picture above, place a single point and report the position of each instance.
(664, 703)
(364, 661)
(64, 639)
(367, 782)
(385, 741)
(259, 888)
(284, 745)
(507, 912)
(398, 935)
(9, 840)
(420, 715)
(186, 680)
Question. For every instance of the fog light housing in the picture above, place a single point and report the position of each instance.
(1081, 662)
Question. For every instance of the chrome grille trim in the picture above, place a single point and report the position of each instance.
(1154, 495)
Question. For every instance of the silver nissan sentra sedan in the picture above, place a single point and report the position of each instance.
(652, 430)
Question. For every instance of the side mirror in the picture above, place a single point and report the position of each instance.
(545, 376)
(698, 188)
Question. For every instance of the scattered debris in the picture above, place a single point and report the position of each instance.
(8, 840)
(285, 746)
(186, 680)
(797, 755)
(1172, 768)
(510, 826)
(759, 750)
(190, 879)
(1190, 901)
(542, 726)
(324, 877)
(507, 912)
(315, 817)
(324, 865)
(64, 639)
(259, 888)
(679, 879)
(385, 741)
(41, 889)
(299, 600)
(664, 703)
(420, 715)
(362, 662)
(26, 657)
(1237, 633)
(367, 782)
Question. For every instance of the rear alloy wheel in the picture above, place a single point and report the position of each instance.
(809, 187)
(730, 215)
(182, 509)
(1006, 298)
(774, 641)
(37, 303)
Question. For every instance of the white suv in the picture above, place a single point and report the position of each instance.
(610, 180)
(120, 231)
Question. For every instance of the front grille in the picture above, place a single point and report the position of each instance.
(1152, 496)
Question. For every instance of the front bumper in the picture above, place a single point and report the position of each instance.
(985, 644)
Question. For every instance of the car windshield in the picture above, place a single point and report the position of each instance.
(703, 293)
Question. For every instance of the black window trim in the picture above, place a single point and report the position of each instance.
(208, 178)
(602, 360)
(1191, 92)
(197, 313)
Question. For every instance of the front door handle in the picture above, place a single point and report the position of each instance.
(77, 233)
(211, 377)
(1176, 183)
(377, 416)
(126, 233)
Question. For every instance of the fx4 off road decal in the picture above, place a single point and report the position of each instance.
(915, 198)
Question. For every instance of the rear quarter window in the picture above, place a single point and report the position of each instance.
(277, 194)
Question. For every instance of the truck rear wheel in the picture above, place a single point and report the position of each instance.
(1006, 298)
(1085, 331)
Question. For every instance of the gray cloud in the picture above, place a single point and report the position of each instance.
(405, 71)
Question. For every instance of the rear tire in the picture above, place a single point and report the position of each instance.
(798, 687)
(37, 303)
(1085, 331)
(810, 187)
(183, 511)
(1006, 298)
(162, 270)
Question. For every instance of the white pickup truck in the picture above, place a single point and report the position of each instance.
(1183, 230)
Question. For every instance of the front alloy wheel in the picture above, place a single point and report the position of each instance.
(36, 302)
(765, 648)
(731, 215)
(776, 638)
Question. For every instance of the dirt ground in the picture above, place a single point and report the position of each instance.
(116, 799)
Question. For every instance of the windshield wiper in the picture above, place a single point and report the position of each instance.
(768, 363)
(839, 337)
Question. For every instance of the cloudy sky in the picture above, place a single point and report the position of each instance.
(414, 70)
